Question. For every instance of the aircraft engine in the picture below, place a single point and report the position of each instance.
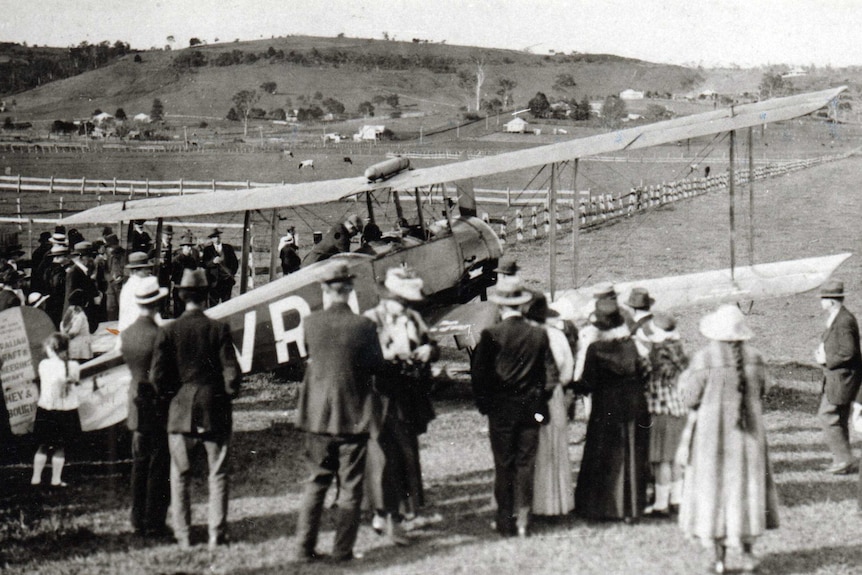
(386, 169)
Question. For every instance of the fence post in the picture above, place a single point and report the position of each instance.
(503, 230)
(99, 200)
(18, 209)
(519, 226)
(547, 219)
(114, 188)
(181, 186)
(61, 207)
(51, 185)
(19, 183)
(213, 185)
(534, 222)
(83, 185)
(508, 197)
(147, 189)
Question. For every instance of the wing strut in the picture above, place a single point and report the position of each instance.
(552, 233)
(576, 224)
(731, 188)
(751, 195)
(273, 245)
(246, 235)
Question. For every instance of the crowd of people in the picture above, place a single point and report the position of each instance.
(668, 433)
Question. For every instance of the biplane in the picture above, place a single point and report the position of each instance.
(455, 256)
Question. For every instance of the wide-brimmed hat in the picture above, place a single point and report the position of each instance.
(138, 260)
(77, 298)
(44, 237)
(726, 324)
(74, 236)
(215, 233)
(539, 310)
(507, 266)
(58, 238)
(112, 240)
(339, 273)
(511, 294)
(149, 291)
(106, 231)
(138, 222)
(639, 298)
(664, 321)
(82, 248)
(402, 282)
(607, 315)
(168, 229)
(35, 299)
(833, 289)
(604, 290)
(59, 250)
(186, 240)
(194, 280)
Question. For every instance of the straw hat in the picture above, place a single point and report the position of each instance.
(186, 240)
(607, 315)
(511, 294)
(833, 289)
(82, 248)
(59, 250)
(57, 238)
(604, 290)
(35, 299)
(138, 260)
(403, 282)
(726, 324)
(639, 299)
(149, 291)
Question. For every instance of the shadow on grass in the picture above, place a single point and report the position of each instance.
(800, 493)
(780, 398)
(845, 559)
(807, 464)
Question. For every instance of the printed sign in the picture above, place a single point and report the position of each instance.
(22, 331)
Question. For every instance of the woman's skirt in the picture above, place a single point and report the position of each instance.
(56, 428)
(664, 437)
(553, 493)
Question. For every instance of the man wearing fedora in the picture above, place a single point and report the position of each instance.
(186, 258)
(148, 417)
(140, 268)
(335, 241)
(510, 378)
(841, 359)
(221, 265)
(335, 410)
(78, 278)
(140, 240)
(115, 275)
(194, 364)
(638, 322)
(55, 282)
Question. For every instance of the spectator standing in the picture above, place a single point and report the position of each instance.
(221, 264)
(57, 423)
(76, 327)
(509, 378)
(335, 411)
(729, 498)
(9, 297)
(403, 406)
(140, 269)
(841, 359)
(290, 260)
(78, 279)
(140, 240)
(115, 275)
(185, 259)
(194, 364)
(612, 480)
(638, 322)
(148, 418)
(55, 283)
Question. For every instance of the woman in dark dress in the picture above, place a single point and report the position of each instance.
(612, 479)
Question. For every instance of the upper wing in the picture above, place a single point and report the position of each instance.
(288, 195)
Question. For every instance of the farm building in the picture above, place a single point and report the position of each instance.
(369, 133)
(143, 118)
(103, 117)
(631, 95)
(516, 126)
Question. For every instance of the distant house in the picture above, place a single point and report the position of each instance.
(516, 126)
(596, 109)
(142, 118)
(631, 95)
(333, 137)
(369, 133)
(103, 117)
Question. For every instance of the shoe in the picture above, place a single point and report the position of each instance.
(312, 556)
(718, 567)
(394, 532)
(60, 484)
(420, 521)
(378, 523)
(184, 543)
(523, 533)
(345, 558)
(840, 468)
(657, 513)
(215, 542)
(750, 563)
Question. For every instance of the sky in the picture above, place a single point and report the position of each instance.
(700, 32)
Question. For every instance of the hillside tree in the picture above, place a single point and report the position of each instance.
(333, 106)
(506, 88)
(366, 108)
(773, 85)
(539, 105)
(613, 111)
(120, 114)
(157, 111)
(269, 87)
(195, 42)
(243, 102)
(563, 82)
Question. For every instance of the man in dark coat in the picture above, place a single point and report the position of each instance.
(55, 283)
(194, 363)
(509, 377)
(335, 241)
(290, 260)
(139, 240)
(335, 412)
(115, 275)
(78, 278)
(184, 259)
(9, 277)
(841, 359)
(221, 265)
(147, 419)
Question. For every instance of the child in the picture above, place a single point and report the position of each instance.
(57, 410)
(76, 327)
(668, 413)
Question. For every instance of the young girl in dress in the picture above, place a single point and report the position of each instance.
(76, 327)
(57, 420)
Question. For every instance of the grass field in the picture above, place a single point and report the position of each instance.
(85, 528)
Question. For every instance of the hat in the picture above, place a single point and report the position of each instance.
(607, 315)
(510, 294)
(74, 236)
(168, 229)
(832, 289)
(726, 324)
(288, 239)
(539, 310)
(44, 237)
(59, 250)
(507, 265)
(138, 222)
(403, 282)
(60, 229)
(138, 260)
(664, 321)
(639, 299)
(13, 251)
(57, 238)
(77, 298)
(604, 290)
(112, 240)
(355, 221)
(149, 291)
(337, 273)
(35, 299)
(82, 247)
(215, 233)
(8, 275)
(194, 279)
(186, 240)
(107, 231)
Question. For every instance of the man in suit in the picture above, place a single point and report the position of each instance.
(221, 265)
(335, 411)
(185, 259)
(509, 377)
(335, 241)
(840, 356)
(148, 418)
(194, 363)
(78, 278)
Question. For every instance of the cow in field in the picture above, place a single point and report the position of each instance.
(306, 164)
(288, 153)
(347, 160)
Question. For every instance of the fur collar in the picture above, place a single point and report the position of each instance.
(618, 333)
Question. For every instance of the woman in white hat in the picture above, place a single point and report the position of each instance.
(403, 405)
(729, 498)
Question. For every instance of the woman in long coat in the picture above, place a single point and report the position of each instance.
(612, 479)
(729, 497)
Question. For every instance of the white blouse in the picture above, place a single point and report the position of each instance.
(54, 393)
